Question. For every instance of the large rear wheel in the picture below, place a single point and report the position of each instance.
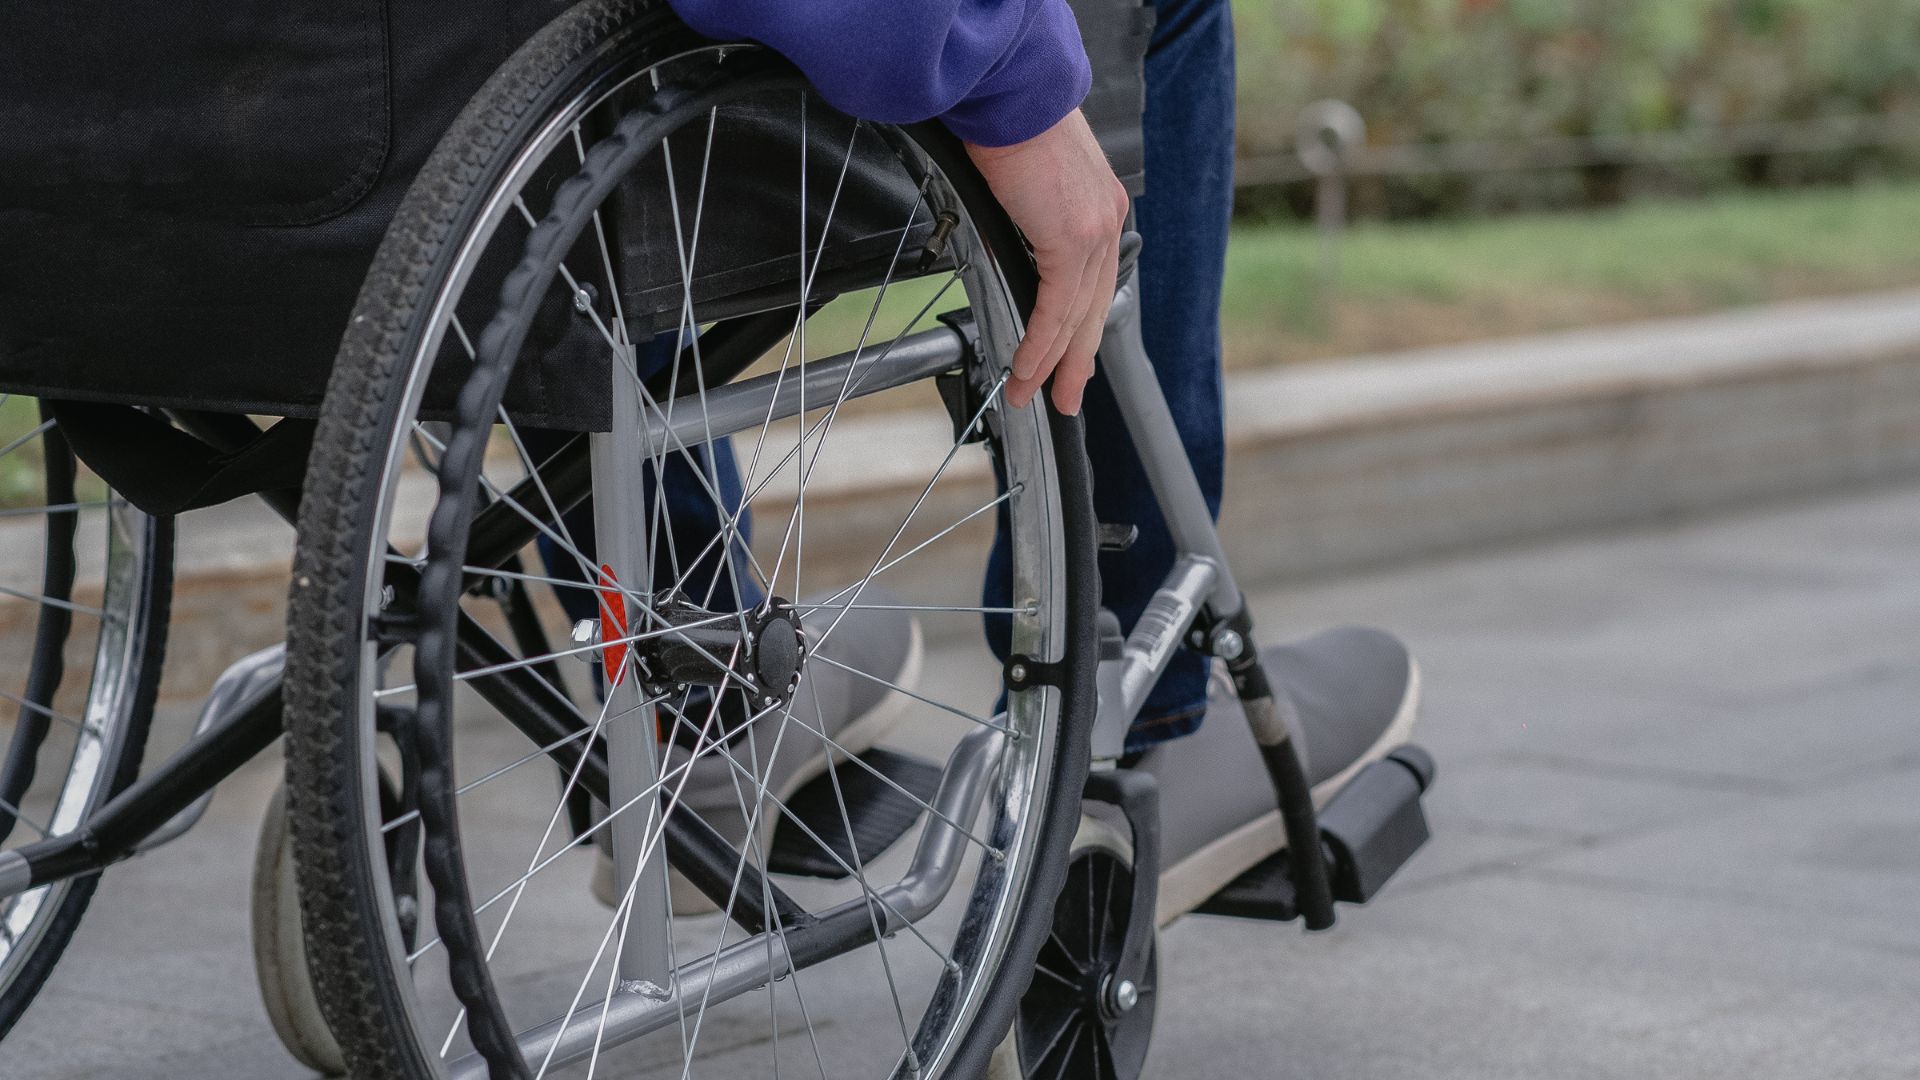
(85, 581)
(794, 887)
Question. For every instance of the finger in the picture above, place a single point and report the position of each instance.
(1053, 307)
(1072, 310)
(1077, 364)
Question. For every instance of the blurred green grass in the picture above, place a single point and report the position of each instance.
(23, 481)
(1411, 283)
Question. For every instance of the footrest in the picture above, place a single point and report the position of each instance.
(878, 812)
(1368, 830)
(1263, 892)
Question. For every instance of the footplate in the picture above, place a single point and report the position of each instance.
(878, 813)
(1369, 829)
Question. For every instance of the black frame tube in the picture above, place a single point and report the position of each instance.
(112, 832)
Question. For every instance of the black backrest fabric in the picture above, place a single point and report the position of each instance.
(255, 112)
(191, 190)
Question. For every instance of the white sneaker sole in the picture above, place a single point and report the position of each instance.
(1190, 882)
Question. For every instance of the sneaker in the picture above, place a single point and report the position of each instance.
(854, 712)
(1351, 696)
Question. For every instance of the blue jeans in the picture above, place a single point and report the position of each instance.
(1183, 219)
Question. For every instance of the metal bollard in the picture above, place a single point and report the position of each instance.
(1326, 135)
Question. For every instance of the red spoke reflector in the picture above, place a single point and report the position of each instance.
(613, 627)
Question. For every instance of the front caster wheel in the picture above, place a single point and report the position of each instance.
(287, 988)
(279, 957)
(1079, 1018)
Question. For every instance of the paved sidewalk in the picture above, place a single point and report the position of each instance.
(1678, 834)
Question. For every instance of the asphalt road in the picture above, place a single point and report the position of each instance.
(1677, 835)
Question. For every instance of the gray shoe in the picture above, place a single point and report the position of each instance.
(1351, 696)
(853, 713)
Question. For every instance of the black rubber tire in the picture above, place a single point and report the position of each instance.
(1097, 837)
(345, 939)
(158, 604)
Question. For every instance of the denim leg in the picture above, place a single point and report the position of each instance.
(1183, 219)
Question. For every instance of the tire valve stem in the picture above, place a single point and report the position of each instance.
(943, 225)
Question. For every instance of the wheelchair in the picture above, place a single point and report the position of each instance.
(633, 257)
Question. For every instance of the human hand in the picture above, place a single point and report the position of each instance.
(1060, 191)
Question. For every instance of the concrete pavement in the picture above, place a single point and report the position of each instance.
(1677, 834)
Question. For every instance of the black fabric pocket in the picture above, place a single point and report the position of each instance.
(258, 112)
(1116, 34)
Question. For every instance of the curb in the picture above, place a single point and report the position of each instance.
(1381, 459)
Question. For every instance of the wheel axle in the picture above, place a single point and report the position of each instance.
(761, 652)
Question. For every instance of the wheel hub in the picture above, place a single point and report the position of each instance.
(762, 652)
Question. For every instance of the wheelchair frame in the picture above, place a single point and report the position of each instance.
(1198, 605)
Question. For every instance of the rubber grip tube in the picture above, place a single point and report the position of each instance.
(1307, 864)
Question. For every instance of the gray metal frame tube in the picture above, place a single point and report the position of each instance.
(1123, 357)
(750, 964)
(743, 405)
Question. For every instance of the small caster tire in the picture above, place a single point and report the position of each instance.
(279, 951)
(1074, 1020)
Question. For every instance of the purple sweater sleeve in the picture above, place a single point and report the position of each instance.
(996, 72)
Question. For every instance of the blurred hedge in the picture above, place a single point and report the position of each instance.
(1445, 70)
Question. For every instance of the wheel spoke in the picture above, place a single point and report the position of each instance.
(809, 271)
(1066, 1058)
(952, 452)
(64, 605)
(21, 815)
(753, 830)
(860, 874)
(1056, 976)
(677, 772)
(924, 805)
(1106, 910)
(915, 695)
(565, 544)
(1073, 1019)
(531, 755)
(533, 472)
(624, 909)
(847, 383)
(21, 440)
(624, 355)
(846, 868)
(560, 807)
(51, 714)
(688, 337)
(854, 379)
(59, 508)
